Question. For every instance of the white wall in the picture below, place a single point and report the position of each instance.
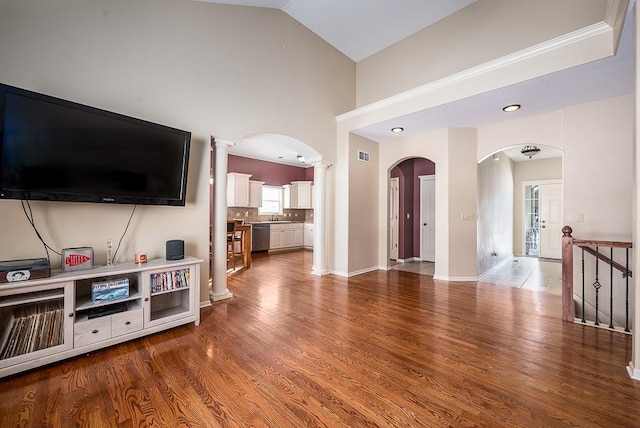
(211, 69)
(495, 212)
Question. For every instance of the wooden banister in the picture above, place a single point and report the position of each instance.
(568, 242)
(568, 307)
(606, 259)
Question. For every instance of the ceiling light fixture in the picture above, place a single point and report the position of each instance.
(397, 129)
(301, 159)
(510, 108)
(530, 151)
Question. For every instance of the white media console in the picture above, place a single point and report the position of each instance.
(46, 320)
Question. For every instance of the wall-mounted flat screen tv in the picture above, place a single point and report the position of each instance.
(57, 150)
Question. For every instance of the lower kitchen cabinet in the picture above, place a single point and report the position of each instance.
(286, 235)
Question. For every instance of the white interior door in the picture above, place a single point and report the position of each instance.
(551, 216)
(394, 206)
(428, 218)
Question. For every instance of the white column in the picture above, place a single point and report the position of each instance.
(320, 218)
(634, 365)
(219, 290)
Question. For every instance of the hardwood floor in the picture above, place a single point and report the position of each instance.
(381, 349)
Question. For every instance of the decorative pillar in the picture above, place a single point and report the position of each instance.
(634, 364)
(219, 290)
(320, 218)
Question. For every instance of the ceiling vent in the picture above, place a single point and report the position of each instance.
(363, 156)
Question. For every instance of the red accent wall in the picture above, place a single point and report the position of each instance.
(274, 174)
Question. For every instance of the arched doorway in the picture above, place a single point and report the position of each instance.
(411, 219)
(520, 211)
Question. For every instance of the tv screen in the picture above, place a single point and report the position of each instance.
(58, 150)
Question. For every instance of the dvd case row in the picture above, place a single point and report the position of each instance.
(33, 327)
(170, 280)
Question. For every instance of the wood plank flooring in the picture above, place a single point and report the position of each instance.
(381, 349)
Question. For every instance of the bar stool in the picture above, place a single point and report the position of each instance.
(231, 244)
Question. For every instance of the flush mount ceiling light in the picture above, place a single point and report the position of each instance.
(301, 159)
(530, 151)
(397, 129)
(510, 108)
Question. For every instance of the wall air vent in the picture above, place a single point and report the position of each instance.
(363, 156)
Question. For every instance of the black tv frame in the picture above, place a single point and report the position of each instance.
(98, 197)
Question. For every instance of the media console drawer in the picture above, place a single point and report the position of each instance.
(126, 322)
(91, 331)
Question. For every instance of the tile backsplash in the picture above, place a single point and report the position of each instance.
(251, 215)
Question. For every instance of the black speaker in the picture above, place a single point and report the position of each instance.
(175, 249)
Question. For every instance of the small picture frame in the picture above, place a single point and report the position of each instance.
(79, 258)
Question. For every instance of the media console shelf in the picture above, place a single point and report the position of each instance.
(47, 320)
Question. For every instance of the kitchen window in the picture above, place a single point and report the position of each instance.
(271, 200)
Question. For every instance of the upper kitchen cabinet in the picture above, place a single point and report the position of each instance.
(255, 193)
(298, 194)
(237, 189)
(242, 192)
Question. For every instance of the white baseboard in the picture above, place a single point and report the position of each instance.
(456, 278)
(205, 304)
(498, 266)
(634, 372)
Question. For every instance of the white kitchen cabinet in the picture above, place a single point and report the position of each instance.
(237, 189)
(255, 193)
(286, 235)
(286, 199)
(275, 236)
(308, 235)
(49, 319)
(298, 236)
(297, 195)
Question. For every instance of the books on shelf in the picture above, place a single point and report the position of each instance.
(171, 280)
(33, 327)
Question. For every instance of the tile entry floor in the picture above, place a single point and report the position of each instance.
(530, 273)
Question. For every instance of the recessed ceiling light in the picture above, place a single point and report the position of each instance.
(397, 129)
(512, 107)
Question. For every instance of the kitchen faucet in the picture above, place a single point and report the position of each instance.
(274, 217)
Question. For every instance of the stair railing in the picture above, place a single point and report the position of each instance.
(586, 247)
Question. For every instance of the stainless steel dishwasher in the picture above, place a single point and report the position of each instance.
(260, 236)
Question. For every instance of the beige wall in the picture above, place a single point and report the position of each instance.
(211, 69)
(541, 130)
(463, 203)
(484, 31)
(363, 203)
(599, 161)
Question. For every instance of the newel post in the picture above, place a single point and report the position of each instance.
(568, 306)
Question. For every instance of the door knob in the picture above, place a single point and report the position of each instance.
(424, 224)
